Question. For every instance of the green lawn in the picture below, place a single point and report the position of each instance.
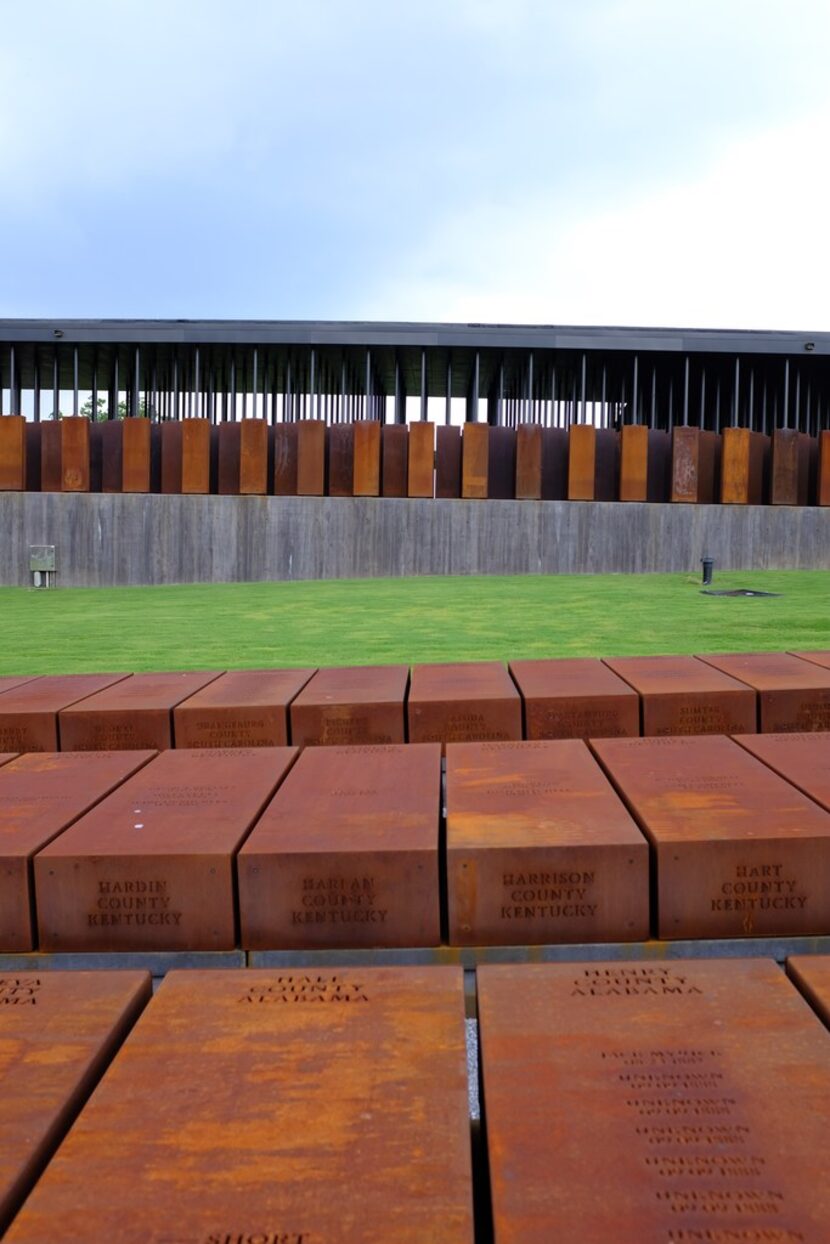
(407, 620)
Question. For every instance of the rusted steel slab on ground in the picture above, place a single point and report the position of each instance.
(242, 708)
(792, 694)
(354, 704)
(803, 759)
(467, 702)
(29, 713)
(811, 975)
(12, 453)
(40, 795)
(654, 1104)
(152, 866)
(346, 854)
(421, 468)
(816, 657)
(540, 849)
(695, 465)
(681, 695)
(185, 456)
(744, 467)
(9, 681)
(58, 1031)
(5, 757)
(738, 849)
(275, 1106)
(134, 713)
(575, 699)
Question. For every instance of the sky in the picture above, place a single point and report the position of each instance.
(626, 162)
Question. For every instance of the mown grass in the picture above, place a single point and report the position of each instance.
(355, 622)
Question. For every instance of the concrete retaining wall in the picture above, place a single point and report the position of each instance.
(109, 540)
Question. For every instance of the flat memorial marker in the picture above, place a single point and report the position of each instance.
(792, 694)
(811, 975)
(135, 713)
(629, 1103)
(469, 702)
(540, 848)
(739, 851)
(29, 713)
(575, 699)
(256, 1107)
(151, 867)
(40, 795)
(681, 695)
(359, 704)
(243, 708)
(9, 681)
(817, 657)
(346, 854)
(58, 1031)
(802, 759)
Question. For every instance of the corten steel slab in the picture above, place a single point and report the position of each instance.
(470, 702)
(33, 457)
(243, 708)
(5, 757)
(554, 464)
(529, 462)
(738, 850)
(606, 465)
(540, 848)
(803, 759)
(823, 457)
(744, 466)
(421, 468)
(447, 462)
(811, 975)
(581, 462)
(12, 453)
(125, 455)
(58, 1032)
(818, 657)
(136, 712)
(681, 695)
(29, 713)
(356, 704)
(346, 854)
(654, 1104)
(9, 681)
(275, 1107)
(634, 462)
(243, 457)
(65, 455)
(575, 699)
(285, 460)
(394, 460)
(792, 694)
(341, 460)
(151, 867)
(185, 456)
(695, 466)
(311, 458)
(501, 464)
(793, 466)
(366, 433)
(41, 795)
(475, 460)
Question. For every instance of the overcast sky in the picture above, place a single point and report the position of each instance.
(660, 162)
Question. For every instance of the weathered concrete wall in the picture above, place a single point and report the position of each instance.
(106, 540)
